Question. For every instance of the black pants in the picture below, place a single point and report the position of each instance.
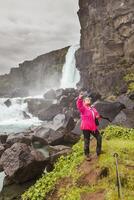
(98, 137)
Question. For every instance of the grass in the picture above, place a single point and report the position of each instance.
(116, 139)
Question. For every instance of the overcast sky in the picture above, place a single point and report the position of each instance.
(29, 28)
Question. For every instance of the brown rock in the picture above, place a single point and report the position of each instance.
(21, 163)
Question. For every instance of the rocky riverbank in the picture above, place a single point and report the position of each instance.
(26, 155)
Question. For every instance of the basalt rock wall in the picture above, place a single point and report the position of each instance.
(106, 51)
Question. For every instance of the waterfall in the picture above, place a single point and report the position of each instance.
(12, 118)
(70, 74)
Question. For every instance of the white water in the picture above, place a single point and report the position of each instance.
(12, 118)
(70, 74)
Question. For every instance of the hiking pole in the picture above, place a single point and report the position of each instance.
(118, 177)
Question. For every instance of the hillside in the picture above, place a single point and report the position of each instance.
(73, 178)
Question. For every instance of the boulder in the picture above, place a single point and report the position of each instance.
(7, 181)
(50, 94)
(66, 92)
(1, 167)
(69, 123)
(125, 118)
(58, 121)
(126, 100)
(26, 116)
(56, 138)
(57, 151)
(109, 110)
(77, 130)
(41, 134)
(36, 105)
(19, 137)
(59, 93)
(3, 138)
(131, 96)
(22, 163)
(48, 136)
(2, 149)
(70, 91)
(8, 103)
(12, 191)
(50, 112)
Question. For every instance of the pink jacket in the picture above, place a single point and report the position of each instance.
(88, 115)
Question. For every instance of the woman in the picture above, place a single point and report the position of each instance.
(88, 124)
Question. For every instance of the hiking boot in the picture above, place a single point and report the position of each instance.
(88, 158)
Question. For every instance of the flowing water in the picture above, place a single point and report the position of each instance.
(12, 118)
(70, 74)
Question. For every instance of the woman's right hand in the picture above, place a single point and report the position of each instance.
(81, 95)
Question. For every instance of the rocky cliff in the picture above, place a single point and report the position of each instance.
(106, 51)
(32, 77)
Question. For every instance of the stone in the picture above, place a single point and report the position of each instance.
(69, 123)
(22, 163)
(58, 121)
(1, 167)
(131, 96)
(59, 93)
(18, 137)
(125, 118)
(50, 112)
(57, 151)
(14, 191)
(35, 105)
(50, 94)
(124, 99)
(7, 181)
(56, 138)
(3, 138)
(109, 110)
(41, 135)
(2, 149)
(26, 116)
(77, 129)
(48, 136)
(8, 103)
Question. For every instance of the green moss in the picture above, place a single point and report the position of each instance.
(129, 78)
(131, 87)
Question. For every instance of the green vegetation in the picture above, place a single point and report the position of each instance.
(112, 132)
(129, 78)
(65, 167)
(116, 139)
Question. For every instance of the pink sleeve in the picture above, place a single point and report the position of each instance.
(79, 104)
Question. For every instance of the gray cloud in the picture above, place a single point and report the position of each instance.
(29, 28)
